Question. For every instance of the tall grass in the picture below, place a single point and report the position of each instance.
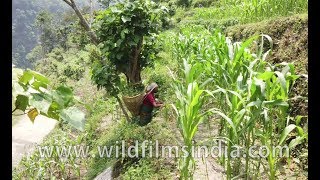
(249, 95)
(231, 12)
(261, 9)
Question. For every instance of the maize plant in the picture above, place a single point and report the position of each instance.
(249, 95)
(188, 108)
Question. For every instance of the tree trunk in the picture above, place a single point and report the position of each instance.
(83, 21)
(134, 69)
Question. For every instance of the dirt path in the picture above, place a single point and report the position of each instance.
(25, 135)
(207, 167)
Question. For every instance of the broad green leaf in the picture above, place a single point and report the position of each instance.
(40, 77)
(123, 35)
(119, 42)
(54, 110)
(29, 75)
(136, 39)
(18, 89)
(38, 84)
(132, 43)
(74, 117)
(22, 102)
(41, 102)
(63, 95)
(119, 56)
(26, 77)
(115, 10)
(110, 19)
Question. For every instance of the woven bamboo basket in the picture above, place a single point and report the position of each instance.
(134, 103)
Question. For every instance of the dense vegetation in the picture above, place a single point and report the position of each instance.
(240, 65)
(25, 31)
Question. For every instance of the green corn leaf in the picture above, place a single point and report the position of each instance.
(239, 116)
(277, 102)
(298, 140)
(282, 80)
(196, 98)
(300, 131)
(286, 132)
(254, 103)
(239, 81)
(243, 47)
(226, 118)
(266, 75)
(261, 85)
(298, 119)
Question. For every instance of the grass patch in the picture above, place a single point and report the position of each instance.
(130, 133)
(229, 13)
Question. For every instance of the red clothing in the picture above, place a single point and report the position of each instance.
(149, 99)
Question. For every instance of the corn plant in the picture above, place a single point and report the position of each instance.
(188, 108)
(249, 95)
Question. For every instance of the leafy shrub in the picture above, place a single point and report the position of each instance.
(63, 65)
(203, 3)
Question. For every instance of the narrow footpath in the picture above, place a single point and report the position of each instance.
(26, 135)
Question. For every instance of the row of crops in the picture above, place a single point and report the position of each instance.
(232, 84)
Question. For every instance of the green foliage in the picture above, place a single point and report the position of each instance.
(203, 3)
(258, 10)
(132, 89)
(122, 26)
(130, 133)
(36, 54)
(106, 76)
(184, 3)
(40, 165)
(188, 108)
(249, 95)
(147, 168)
(57, 166)
(24, 33)
(128, 34)
(229, 13)
(30, 90)
(62, 65)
